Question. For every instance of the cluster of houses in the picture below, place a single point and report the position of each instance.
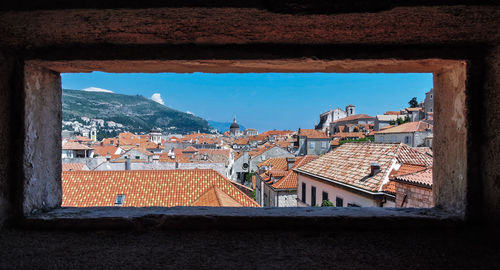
(347, 160)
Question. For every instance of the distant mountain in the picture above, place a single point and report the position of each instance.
(117, 112)
(222, 126)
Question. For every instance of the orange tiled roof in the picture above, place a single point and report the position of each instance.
(350, 163)
(407, 127)
(313, 134)
(151, 188)
(414, 109)
(215, 197)
(105, 150)
(392, 113)
(342, 135)
(422, 177)
(75, 146)
(290, 180)
(277, 132)
(190, 149)
(353, 117)
(389, 187)
(241, 141)
(276, 163)
(335, 142)
(82, 139)
(74, 167)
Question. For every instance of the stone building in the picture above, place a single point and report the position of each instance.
(351, 123)
(414, 134)
(413, 186)
(429, 102)
(276, 184)
(330, 116)
(247, 161)
(251, 132)
(355, 174)
(311, 142)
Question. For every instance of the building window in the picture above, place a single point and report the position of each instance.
(323, 145)
(313, 196)
(339, 202)
(407, 139)
(311, 145)
(304, 192)
(137, 157)
(324, 196)
(353, 205)
(120, 198)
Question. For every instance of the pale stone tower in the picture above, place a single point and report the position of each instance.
(155, 136)
(93, 133)
(350, 110)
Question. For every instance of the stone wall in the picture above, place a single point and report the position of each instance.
(7, 70)
(490, 146)
(413, 196)
(42, 144)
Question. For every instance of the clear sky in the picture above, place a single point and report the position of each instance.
(267, 100)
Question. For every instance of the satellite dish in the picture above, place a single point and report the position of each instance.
(245, 166)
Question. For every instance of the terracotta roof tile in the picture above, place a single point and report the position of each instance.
(277, 163)
(350, 163)
(353, 117)
(407, 127)
(290, 180)
(150, 188)
(422, 177)
(75, 146)
(74, 167)
(313, 134)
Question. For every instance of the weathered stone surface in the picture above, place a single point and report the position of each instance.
(42, 144)
(5, 197)
(401, 25)
(161, 218)
(450, 139)
(328, 248)
(491, 131)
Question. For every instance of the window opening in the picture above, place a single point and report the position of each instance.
(168, 139)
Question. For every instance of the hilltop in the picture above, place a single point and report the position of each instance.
(117, 112)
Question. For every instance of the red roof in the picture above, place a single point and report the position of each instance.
(74, 167)
(350, 163)
(353, 117)
(421, 176)
(75, 146)
(419, 126)
(313, 134)
(290, 180)
(151, 188)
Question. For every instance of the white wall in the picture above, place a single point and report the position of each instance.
(333, 192)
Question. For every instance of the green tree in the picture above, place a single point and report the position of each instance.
(413, 102)
(326, 203)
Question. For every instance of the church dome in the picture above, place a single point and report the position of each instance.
(234, 124)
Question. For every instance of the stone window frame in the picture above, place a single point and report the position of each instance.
(42, 191)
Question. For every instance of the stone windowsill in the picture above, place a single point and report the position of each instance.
(163, 218)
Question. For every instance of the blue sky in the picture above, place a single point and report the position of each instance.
(267, 100)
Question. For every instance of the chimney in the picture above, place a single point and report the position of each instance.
(127, 163)
(374, 168)
(290, 162)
